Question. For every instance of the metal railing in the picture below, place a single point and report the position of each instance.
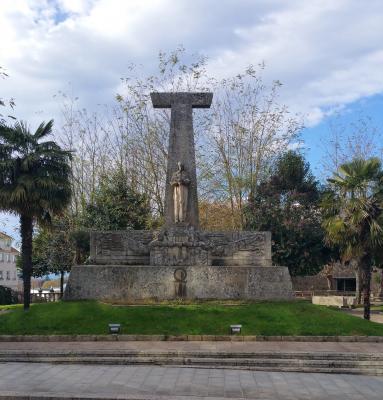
(40, 297)
(308, 294)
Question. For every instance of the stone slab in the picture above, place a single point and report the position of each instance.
(337, 301)
(190, 338)
(61, 382)
(142, 283)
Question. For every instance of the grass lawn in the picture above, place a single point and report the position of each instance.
(263, 318)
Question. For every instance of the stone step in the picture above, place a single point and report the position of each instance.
(197, 354)
(354, 366)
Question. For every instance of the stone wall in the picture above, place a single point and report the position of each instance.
(138, 283)
(120, 247)
(221, 248)
(314, 282)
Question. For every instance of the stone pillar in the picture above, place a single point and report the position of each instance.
(181, 149)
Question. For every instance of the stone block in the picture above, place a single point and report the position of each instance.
(337, 301)
(141, 283)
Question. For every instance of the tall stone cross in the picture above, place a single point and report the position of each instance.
(181, 154)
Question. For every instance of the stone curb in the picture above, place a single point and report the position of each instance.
(197, 338)
(71, 396)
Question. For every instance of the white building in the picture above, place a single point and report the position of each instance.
(8, 255)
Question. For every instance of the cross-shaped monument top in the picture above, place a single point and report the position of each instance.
(181, 202)
(168, 99)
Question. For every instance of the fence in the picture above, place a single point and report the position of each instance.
(40, 297)
(308, 294)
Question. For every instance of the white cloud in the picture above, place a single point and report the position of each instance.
(327, 53)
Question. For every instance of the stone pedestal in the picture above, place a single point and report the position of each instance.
(179, 262)
(137, 284)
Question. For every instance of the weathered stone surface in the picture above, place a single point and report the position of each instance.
(140, 283)
(181, 148)
(120, 247)
(239, 248)
(337, 301)
(180, 245)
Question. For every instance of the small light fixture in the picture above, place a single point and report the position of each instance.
(114, 328)
(235, 329)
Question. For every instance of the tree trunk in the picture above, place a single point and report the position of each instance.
(358, 279)
(366, 284)
(381, 284)
(61, 284)
(26, 230)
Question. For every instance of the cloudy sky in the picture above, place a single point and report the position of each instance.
(327, 53)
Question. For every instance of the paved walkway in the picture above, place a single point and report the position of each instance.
(358, 312)
(354, 347)
(153, 382)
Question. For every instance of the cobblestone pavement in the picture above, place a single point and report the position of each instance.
(155, 382)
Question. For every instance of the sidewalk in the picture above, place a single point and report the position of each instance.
(59, 382)
(198, 346)
(237, 370)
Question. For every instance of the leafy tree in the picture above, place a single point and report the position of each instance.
(81, 241)
(7, 296)
(57, 247)
(115, 205)
(34, 183)
(287, 204)
(354, 216)
(54, 249)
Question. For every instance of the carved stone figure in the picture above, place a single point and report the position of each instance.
(180, 283)
(180, 182)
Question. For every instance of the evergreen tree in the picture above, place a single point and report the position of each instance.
(287, 204)
(116, 206)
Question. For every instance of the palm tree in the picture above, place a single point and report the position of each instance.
(34, 183)
(353, 216)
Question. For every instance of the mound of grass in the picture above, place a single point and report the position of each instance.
(263, 318)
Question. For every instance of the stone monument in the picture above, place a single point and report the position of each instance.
(179, 260)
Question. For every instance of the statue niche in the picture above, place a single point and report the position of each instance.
(180, 183)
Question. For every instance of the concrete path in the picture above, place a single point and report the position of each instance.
(376, 316)
(39, 381)
(251, 347)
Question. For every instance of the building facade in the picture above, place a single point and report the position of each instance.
(8, 256)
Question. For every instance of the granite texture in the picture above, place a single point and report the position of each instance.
(181, 147)
(180, 246)
(138, 283)
(120, 247)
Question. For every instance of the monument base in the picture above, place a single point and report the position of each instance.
(132, 283)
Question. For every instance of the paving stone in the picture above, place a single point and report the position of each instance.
(155, 382)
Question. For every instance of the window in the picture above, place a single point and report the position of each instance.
(1, 257)
(7, 258)
(13, 258)
(1, 275)
(8, 275)
(346, 284)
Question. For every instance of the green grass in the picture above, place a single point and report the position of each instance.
(264, 318)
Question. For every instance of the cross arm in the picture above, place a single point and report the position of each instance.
(195, 99)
